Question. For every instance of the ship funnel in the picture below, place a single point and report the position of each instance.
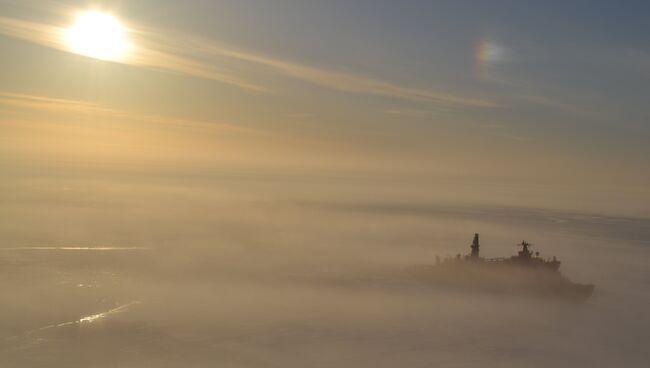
(475, 246)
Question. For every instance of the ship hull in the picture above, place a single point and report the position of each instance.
(502, 279)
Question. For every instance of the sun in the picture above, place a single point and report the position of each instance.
(97, 35)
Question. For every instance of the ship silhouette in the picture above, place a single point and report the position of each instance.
(524, 273)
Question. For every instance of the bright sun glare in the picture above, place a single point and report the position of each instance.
(97, 35)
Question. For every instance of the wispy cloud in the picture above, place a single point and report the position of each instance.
(299, 115)
(58, 105)
(42, 34)
(351, 82)
(409, 113)
(556, 104)
(145, 54)
(207, 59)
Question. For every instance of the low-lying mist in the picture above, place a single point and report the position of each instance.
(254, 271)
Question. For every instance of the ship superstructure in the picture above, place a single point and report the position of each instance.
(523, 258)
(525, 272)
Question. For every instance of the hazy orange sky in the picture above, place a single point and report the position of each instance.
(539, 95)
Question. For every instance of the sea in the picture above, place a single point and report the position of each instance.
(106, 273)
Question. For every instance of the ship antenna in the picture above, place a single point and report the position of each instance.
(525, 252)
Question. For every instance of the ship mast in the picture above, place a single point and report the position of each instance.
(525, 253)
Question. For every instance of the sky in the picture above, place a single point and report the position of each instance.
(254, 182)
(530, 93)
